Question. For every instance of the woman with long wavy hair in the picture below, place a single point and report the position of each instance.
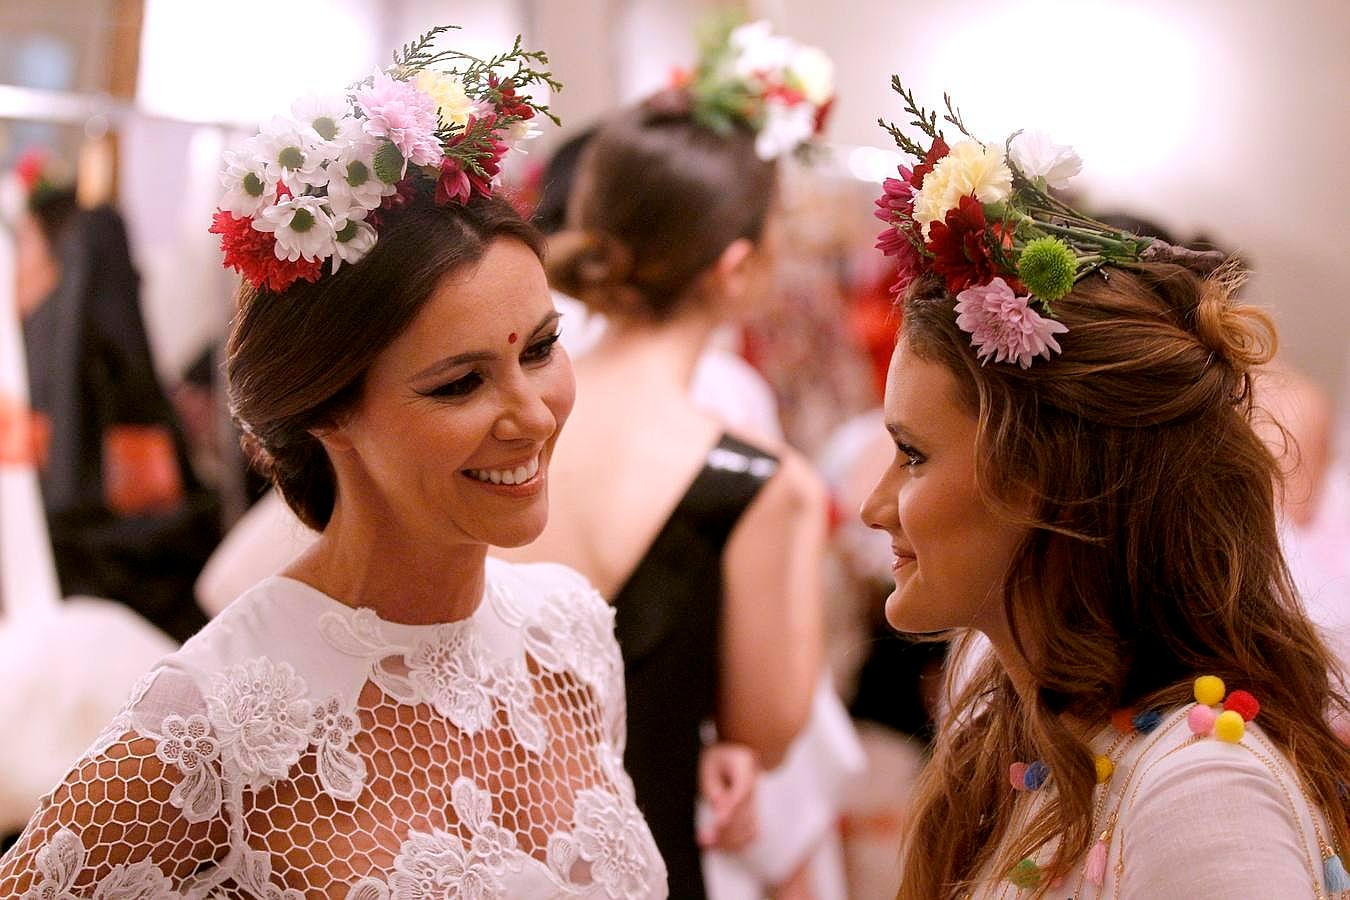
(1079, 481)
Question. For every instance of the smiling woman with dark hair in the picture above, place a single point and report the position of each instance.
(393, 715)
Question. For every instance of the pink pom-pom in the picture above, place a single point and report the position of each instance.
(1095, 867)
(1244, 704)
(1201, 719)
(1017, 776)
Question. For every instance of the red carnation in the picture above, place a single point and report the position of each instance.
(961, 246)
(252, 254)
(935, 153)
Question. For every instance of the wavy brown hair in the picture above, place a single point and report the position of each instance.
(1152, 557)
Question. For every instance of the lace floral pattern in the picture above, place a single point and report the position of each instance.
(59, 865)
(343, 747)
(342, 771)
(190, 745)
(609, 836)
(262, 717)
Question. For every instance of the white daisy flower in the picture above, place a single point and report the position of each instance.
(323, 115)
(303, 227)
(352, 184)
(353, 240)
(294, 152)
(250, 185)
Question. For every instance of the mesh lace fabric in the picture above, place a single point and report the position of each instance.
(298, 748)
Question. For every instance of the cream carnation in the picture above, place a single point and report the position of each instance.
(453, 106)
(969, 169)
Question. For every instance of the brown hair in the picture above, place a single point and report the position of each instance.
(658, 200)
(1152, 557)
(296, 360)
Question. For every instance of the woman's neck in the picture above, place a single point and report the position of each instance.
(654, 352)
(357, 563)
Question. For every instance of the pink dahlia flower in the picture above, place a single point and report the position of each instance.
(1003, 325)
(407, 117)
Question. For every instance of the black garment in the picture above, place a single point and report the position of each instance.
(667, 618)
(90, 368)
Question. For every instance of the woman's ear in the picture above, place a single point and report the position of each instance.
(731, 272)
(333, 436)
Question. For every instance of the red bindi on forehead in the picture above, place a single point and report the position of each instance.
(511, 338)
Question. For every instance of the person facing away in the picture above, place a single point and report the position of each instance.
(394, 715)
(1107, 519)
(128, 518)
(708, 545)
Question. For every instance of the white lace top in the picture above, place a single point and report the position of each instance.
(300, 748)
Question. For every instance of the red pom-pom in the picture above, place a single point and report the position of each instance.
(1242, 703)
(1122, 720)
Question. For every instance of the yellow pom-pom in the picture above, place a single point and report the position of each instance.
(1105, 768)
(1229, 726)
(1209, 690)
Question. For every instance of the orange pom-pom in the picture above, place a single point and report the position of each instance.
(1244, 704)
(1122, 720)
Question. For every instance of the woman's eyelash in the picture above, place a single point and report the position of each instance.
(467, 384)
(913, 455)
(460, 387)
(543, 348)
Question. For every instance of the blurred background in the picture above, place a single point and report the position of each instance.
(1217, 121)
(1226, 118)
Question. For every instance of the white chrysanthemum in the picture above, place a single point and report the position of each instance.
(453, 106)
(968, 169)
(352, 240)
(1039, 157)
(352, 183)
(294, 153)
(250, 184)
(519, 133)
(814, 74)
(303, 227)
(759, 50)
(784, 129)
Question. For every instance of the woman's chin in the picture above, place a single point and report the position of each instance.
(904, 614)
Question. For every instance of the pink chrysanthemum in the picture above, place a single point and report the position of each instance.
(1003, 325)
(407, 117)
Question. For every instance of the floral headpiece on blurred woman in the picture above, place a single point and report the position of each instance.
(746, 74)
(315, 186)
(983, 218)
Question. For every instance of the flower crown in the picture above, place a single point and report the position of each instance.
(748, 75)
(317, 185)
(983, 218)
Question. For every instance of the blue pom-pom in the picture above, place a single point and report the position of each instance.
(1146, 721)
(1333, 870)
(1037, 772)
